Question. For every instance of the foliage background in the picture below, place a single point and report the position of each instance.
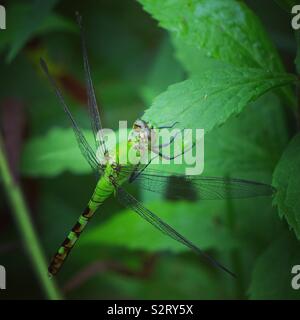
(133, 61)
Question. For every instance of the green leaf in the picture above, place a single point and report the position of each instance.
(272, 274)
(57, 152)
(26, 20)
(210, 99)
(286, 179)
(195, 221)
(225, 30)
(194, 60)
(54, 153)
(164, 71)
(248, 146)
(18, 13)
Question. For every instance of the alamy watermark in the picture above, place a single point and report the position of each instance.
(2, 18)
(296, 18)
(2, 278)
(144, 144)
(295, 283)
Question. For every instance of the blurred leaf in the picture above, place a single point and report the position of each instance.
(56, 22)
(193, 281)
(193, 220)
(12, 80)
(53, 22)
(297, 59)
(249, 146)
(27, 19)
(58, 151)
(54, 153)
(210, 99)
(262, 214)
(60, 203)
(286, 4)
(272, 274)
(226, 30)
(286, 179)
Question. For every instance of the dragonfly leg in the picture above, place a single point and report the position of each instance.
(171, 141)
(136, 173)
(166, 157)
(172, 157)
(168, 127)
(166, 144)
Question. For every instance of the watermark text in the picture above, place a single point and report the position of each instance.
(144, 144)
(295, 283)
(2, 18)
(2, 278)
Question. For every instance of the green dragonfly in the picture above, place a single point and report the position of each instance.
(113, 175)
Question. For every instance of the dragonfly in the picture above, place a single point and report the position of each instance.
(112, 176)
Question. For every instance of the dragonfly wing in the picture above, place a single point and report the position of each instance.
(131, 203)
(84, 146)
(92, 101)
(205, 187)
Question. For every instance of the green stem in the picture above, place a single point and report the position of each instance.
(29, 237)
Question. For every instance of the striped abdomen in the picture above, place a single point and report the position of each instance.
(65, 248)
(102, 191)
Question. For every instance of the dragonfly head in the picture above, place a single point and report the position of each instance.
(141, 129)
(139, 124)
(141, 135)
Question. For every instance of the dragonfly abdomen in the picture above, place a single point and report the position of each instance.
(67, 245)
(102, 191)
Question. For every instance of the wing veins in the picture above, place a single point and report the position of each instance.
(92, 101)
(84, 146)
(130, 202)
(208, 187)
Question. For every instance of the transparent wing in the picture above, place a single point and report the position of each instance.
(205, 188)
(131, 203)
(85, 148)
(92, 101)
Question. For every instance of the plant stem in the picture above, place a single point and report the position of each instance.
(24, 223)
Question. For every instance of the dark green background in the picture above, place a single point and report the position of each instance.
(132, 61)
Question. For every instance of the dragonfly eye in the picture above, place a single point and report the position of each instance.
(139, 125)
(136, 127)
